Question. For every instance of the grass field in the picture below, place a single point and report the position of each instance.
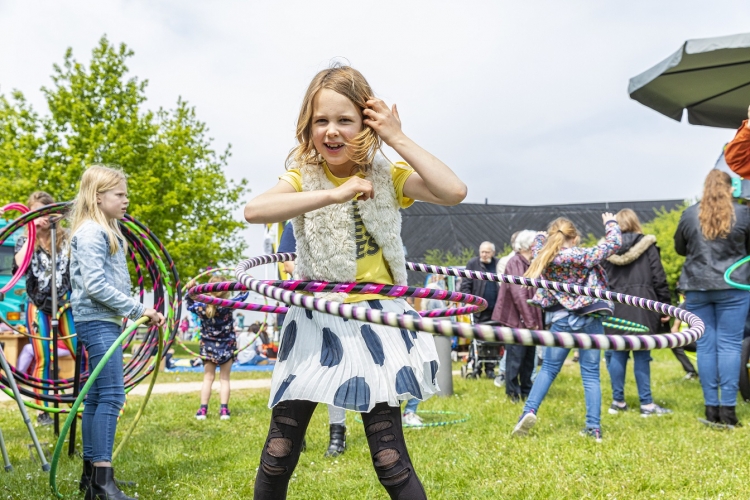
(173, 456)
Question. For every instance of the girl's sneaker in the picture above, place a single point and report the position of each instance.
(594, 433)
(224, 413)
(614, 409)
(202, 412)
(411, 419)
(525, 423)
(654, 410)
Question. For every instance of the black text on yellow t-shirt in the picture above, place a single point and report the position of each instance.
(366, 244)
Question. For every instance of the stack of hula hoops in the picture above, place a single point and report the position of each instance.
(154, 271)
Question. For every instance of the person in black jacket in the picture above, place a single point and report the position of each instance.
(636, 270)
(714, 234)
(486, 263)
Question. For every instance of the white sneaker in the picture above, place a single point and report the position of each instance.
(500, 380)
(525, 423)
(411, 419)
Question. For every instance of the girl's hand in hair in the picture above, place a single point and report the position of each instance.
(354, 187)
(155, 318)
(384, 121)
(607, 216)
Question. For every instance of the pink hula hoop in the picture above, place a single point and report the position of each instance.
(20, 207)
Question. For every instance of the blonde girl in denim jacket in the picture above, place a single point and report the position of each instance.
(101, 299)
(557, 257)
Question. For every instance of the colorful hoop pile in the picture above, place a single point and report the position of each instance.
(152, 263)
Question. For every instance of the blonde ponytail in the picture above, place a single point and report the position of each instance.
(212, 308)
(560, 230)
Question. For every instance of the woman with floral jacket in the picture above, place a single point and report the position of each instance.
(557, 257)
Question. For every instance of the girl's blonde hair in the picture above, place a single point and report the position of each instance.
(97, 179)
(716, 212)
(350, 83)
(44, 198)
(212, 308)
(628, 221)
(560, 230)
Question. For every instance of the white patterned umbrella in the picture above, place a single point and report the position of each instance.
(708, 77)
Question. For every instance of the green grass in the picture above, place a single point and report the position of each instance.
(173, 456)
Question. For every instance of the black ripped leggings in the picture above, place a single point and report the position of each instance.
(385, 437)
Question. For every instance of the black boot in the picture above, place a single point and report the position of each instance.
(728, 417)
(712, 414)
(337, 445)
(103, 486)
(88, 469)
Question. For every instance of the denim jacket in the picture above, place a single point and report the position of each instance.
(100, 281)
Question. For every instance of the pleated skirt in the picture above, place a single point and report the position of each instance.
(350, 364)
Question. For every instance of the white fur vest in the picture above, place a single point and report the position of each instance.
(326, 246)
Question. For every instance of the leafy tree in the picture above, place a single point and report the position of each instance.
(96, 116)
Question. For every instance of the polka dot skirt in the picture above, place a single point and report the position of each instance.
(350, 364)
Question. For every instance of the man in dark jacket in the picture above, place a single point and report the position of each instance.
(486, 263)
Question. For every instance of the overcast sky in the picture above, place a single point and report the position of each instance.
(526, 101)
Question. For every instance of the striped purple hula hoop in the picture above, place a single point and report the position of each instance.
(476, 304)
(486, 332)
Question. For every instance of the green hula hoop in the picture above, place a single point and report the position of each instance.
(74, 408)
(624, 324)
(460, 418)
(731, 269)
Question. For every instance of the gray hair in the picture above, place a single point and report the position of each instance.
(524, 240)
(488, 243)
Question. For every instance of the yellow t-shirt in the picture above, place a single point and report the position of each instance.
(371, 265)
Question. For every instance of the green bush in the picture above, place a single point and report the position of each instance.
(437, 257)
(664, 227)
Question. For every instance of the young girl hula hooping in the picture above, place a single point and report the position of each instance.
(101, 299)
(557, 257)
(343, 197)
(218, 344)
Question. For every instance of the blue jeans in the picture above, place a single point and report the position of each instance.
(719, 349)
(106, 397)
(589, 360)
(617, 362)
(411, 406)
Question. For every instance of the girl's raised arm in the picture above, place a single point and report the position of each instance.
(282, 202)
(433, 181)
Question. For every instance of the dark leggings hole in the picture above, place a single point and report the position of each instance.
(388, 438)
(280, 419)
(280, 447)
(396, 479)
(272, 470)
(379, 426)
(385, 459)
